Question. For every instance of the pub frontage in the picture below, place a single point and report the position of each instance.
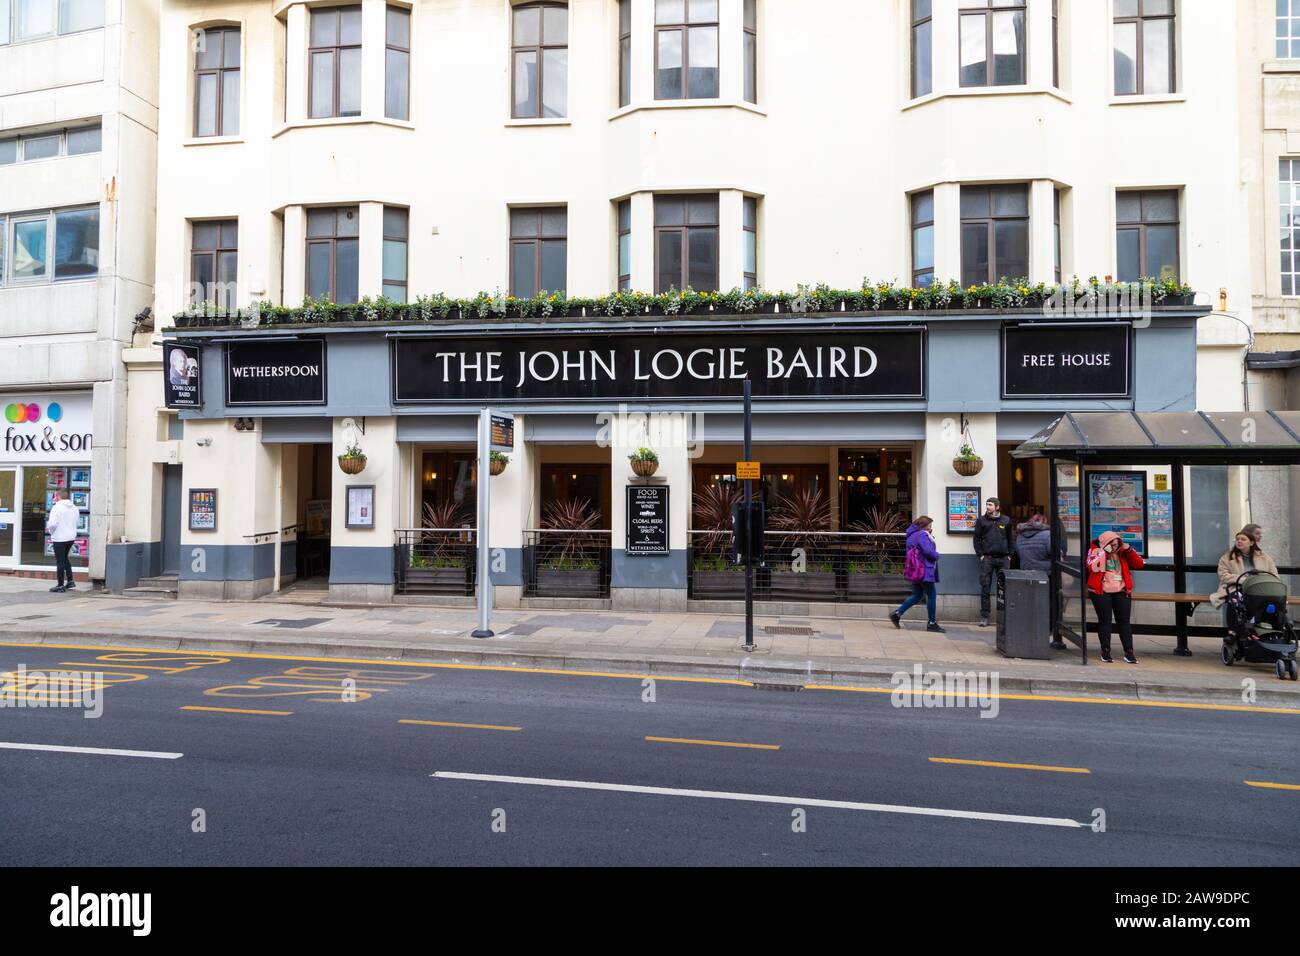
(343, 453)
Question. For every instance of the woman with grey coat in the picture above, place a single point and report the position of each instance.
(1034, 545)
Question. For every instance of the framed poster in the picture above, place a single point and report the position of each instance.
(1117, 502)
(1160, 512)
(83, 523)
(1067, 509)
(78, 477)
(963, 509)
(182, 385)
(81, 499)
(647, 520)
(361, 506)
(56, 478)
(80, 547)
(203, 509)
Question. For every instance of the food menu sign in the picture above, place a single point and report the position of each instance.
(647, 519)
(203, 509)
(1117, 502)
(963, 510)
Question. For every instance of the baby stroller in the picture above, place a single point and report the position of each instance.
(1259, 628)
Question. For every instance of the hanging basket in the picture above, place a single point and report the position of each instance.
(968, 467)
(352, 466)
(644, 468)
(497, 465)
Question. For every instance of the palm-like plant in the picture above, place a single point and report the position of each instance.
(572, 515)
(800, 515)
(713, 505)
(879, 522)
(437, 548)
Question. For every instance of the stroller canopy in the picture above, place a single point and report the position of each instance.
(1263, 585)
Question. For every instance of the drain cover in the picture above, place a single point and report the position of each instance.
(788, 629)
(31, 617)
(292, 623)
(760, 685)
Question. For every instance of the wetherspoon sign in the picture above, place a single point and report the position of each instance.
(880, 364)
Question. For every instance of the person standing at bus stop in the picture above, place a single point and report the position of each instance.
(1111, 563)
(994, 536)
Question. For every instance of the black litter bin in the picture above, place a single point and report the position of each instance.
(1023, 611)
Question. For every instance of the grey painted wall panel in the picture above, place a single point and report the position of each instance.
(227, 562)
(668, 571)
(361, 565)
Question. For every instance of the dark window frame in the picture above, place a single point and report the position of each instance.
(219, 73)
(624, 278)
(405, 240)
(749, 32)
(991, 221)
(390, 46)
(917, 23)
(918, 225)
(1142, 225)
(337, 51)
(750, 278)
(332, 241)
(214, 254)
(684, 28)
(684, 230)
(987, 12)
(624, 51)
(1139, 65)
(539, 49)
(535, 242)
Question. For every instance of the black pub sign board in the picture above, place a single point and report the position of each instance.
(874, 364)
(647, 519)
(1083, 360)
(276, 373)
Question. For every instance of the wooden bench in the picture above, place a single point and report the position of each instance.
(1193, 599)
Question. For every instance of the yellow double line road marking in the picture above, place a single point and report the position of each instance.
(712, 743)
(240, 710)
(1264, 784)
(1009, 766)
(448, 723)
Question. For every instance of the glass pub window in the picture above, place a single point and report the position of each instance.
(749, 220)
(1056, 231)
(923, 239)
(539, 251)
(686, 243)
(994, 233)
(993, 44)
(214, 262)
(624, 52)
(1289, 193)
(332, 255)
(1146, 235)
(540, 50)
(1288, 30)
(335, 55)
(1144, 47)
(396, 230)
(686, 49)
(216, 82)
(922, 48)
(624, 250)
(397, 63)
(751, 51)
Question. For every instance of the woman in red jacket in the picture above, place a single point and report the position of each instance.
(1110, 585)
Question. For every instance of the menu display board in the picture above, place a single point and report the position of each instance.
(1160, 512)
(1117, 502)
(361, 506)
(203, 509)
(963, 510)
(1067, 509)
(647, 520)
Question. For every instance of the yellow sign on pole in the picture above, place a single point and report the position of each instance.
(749, 469)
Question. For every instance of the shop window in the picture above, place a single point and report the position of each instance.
(576, 484)
(779, 481)
(332, 263)
(539, 251)
(922, 48)
(873, 484)
(1146, 237)
(1144, 47)
(624, 250)
(214, 263)
(447, 490)
(39, 485)
(395, 237)
(335, 62)
(540, 54)
(994, 233)
(923, 239)
(749, 235)
(686, 243)
(992, 40)
(397, 63)
(216, 82)
(686, 49)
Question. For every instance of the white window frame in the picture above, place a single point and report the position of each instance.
(9, 221)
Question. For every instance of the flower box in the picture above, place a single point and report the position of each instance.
(552, 582)
(718, 585)
(804, 585)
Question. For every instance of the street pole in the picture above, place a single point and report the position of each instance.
(749, 530)
(484, 484)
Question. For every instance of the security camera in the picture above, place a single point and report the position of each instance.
(204, 442)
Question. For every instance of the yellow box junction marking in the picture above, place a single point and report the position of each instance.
(1266, 785)
(1009, 766)
(239, 710)
(448, 723)
(323, 684)
(712, 743)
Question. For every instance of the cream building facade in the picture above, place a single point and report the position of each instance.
(459, 146)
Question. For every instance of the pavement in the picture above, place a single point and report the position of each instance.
(802, 651)
(207, 759)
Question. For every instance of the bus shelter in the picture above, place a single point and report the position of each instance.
(1176, 486)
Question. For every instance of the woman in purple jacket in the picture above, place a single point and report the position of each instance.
(920, 537)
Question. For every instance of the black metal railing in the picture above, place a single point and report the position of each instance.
(830, 566)
(434, 560)
(566, 564)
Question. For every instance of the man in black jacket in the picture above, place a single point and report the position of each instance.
(993, 540)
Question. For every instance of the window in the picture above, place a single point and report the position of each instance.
(33, 19)
(332, 263)
(923, 239)
(397, 64)
(686, 49)
(624, 52)
(68, 142)
(216, 82)
(749, 222)
(993, 44)
(396, 229)
(60, 244)
(541, 60)
(1288, 30)
(539, 251)
(922, 48)
(751, 51)
(625, 245)
(1289, 192)
(994, 233)
(1144, 46)
(1146, 238)
(214, 262)
(1056, 231)
(335, 55)
(1056, 43)
(686, 243)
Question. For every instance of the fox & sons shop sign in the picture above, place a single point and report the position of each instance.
(686, 365)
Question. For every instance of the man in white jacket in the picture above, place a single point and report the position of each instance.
(61, 525)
